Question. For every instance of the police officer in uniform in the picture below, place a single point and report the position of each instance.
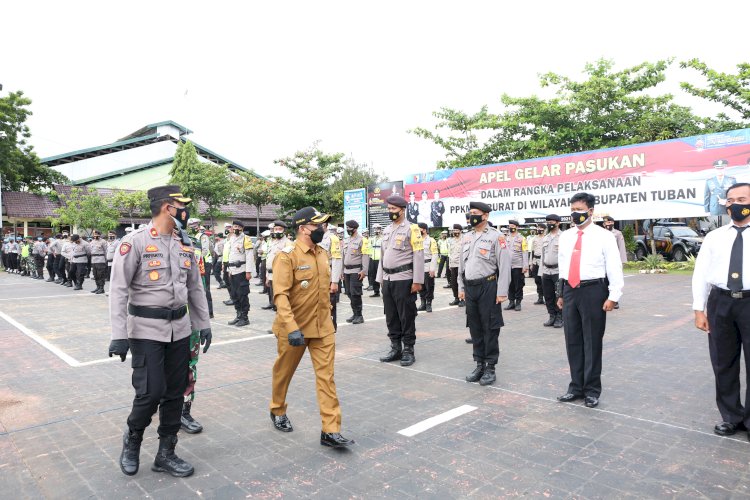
(356, 263)
(376, 244)
(202, 245)
(714, 196)
(80, 252)
(278, 242)
(519, 266)
(113, 243)
(437, 209)
(721, 304)
(40, 251)
(549, 270)
(401, 274)
(63, 265)
(484, 271)
(155, 285)
(535, 249)
(302, 285)
(218, 253)
(412, 211)
(240, 266)
(99, 261)
(332, 245)
(427, 293)
(609, 225)
(454, 255)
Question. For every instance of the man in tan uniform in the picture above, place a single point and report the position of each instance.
(155, 285)
(302, 284)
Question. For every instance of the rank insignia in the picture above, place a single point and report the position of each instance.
(125, 248)
(154, 263)
(152, 248)
(153, 275)
(154, 232)
(735, 276)
(187, 263)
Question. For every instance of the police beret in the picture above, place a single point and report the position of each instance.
(553, 217)
(514, 222)
(309, 215)
(480, 206)
(279, 223)
(458, 226)
(165, 192)
(238, 223)
(721, 163)
(609, 218)
(397, 201)
(73, 237)
(352, 223)
(422, 225)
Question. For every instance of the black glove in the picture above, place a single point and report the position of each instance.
(296, 338)
(119, 347)
(206, 339)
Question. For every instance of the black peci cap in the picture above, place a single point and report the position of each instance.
(396, 201)
(480, 206)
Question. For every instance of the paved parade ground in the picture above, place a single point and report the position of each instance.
(63, 406)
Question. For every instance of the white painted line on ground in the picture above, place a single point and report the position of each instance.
(39, 340)
(436, 420)
(48, 296)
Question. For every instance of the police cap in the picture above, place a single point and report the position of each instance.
(422, 225)
(458, 227)
(167, 192)
(238, 223)
(609, 218)
(352, 224)
(480, 206)
(720, 163)
(279, 223)
(514, 222)
(397, 201)
(309, 215)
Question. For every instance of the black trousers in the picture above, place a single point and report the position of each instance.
(485, 318)
(100, 273)
(372, 272)
(239, 292)
(584, 323)
(51, 263)
(109, 270)
(515, 290)
(217, 271)
(39, 263)
(400, 306)
(334, 299)
(729, 322)
(534, 273)
(354, 292)
(227, 279)
(77, 273)
(262, 273)
(270, 292)
(454, 281)
(427, 293)
(549, 282)
(160, 376)
(60, 269)
(207, 287)
(443, 261)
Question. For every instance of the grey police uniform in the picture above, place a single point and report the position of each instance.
(39, 252)
(99, 261)
(274, 247)
(241, 261)
(549, 270)
(355, 261)
(112, 247)
(483, 275)
(79, 259)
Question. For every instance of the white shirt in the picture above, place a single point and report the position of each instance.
(600, 257)
(712, 263)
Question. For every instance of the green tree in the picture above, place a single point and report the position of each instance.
(352, 176)
(86, 211)
(312, 173)
(608, 108)
(730, 90)
(20, 168)
(132, 203)
(255, 191)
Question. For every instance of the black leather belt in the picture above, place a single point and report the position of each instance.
(428, 260)
(399, 269)
(235, 264)
(82, 255)
(535, 256)
(585, 283)
(551, 266)
(479, 281)
(742, 294)
(157, 312)
(356, 266)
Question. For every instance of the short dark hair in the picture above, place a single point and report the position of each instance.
(588, 199)
(157, 204)
(735, 186)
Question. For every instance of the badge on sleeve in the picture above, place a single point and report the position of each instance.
(125, 248)
(502, 242)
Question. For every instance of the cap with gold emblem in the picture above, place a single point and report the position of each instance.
(309, 215)
(167, 192)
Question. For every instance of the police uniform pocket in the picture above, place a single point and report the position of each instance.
(484, 250)
(186, 263)
(140, 374)
(303, 278)
(154, 272)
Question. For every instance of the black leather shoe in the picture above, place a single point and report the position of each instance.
(130, 455)
(550, 321)
(350, 319)
(282, 423)
(394, 354)
(229, 302)
(375, 295)
(77, 288)
(518, 306)
(242, 322)
(234, 321)
(469, 340)
(568, 397)
(476, 374)
(728, 428)
(511, 305)
(488, 378)
(358, 320)
(558, 321)
(407, 357)
(368, 289)
(447, 286)
(268, 307)
(462, 303)
(454, 302)
(334, 440)
(539, 301)
(428, 307)
(99, 291)
(422, 306)
(591, 401)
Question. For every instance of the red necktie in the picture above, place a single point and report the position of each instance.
(574, 273)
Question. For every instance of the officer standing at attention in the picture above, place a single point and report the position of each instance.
(590, 285)
(366, 244)
(113, 243)
(444, 251)
(63, 266)
(454, 255)
(218, 250)
(155, 283)
(240, 265)
(40, 251)
(401, 274)
(225, 262)
(484, 271)
(80, 252)
(356, 263)
(278, 242)
(376, 244)
(99, 261)
(53, 251)
(609, 225)
(519, 266)
(202, 244)
(536, 253)
(549, 270)
(262, 253)
(302, 286)
(427, 293)
(332, 245)
(437, 209)
(721, 304)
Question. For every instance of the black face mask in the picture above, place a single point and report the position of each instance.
(551, 227)
(475, 220)
(181, 216)
(739, 212)
(350, 232)
(111, 238)
(317, 235)
(226, 232)
(579, 218)
(540, 231)
(512, 229)
(278, 236)
(237, 231)
(96, 237)
(609, 228)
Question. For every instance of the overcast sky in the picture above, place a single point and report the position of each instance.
(257, 81)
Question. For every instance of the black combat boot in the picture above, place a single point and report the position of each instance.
(229, 302)
(511, 305)
(551, 320)
(350, 319)
(488, 378)
(539, 301)
(99, 290)
(167, 461)
(131, 450)
(453, 303)
(394, 354)
(243, 320)
(78, 287)
(558, 321)
(407, 357)
(461, 303)
(422, 306)
(477, 373)
(518, 305)
(358, 318)
(428, 307)
(188, 423)
(235, 320)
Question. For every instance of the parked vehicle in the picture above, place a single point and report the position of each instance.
(673, 241)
